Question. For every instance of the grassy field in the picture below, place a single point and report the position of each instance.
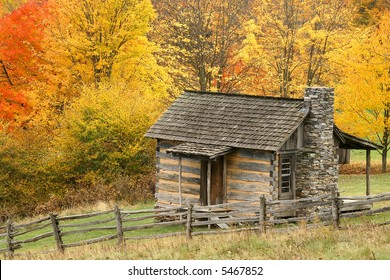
(365, 242)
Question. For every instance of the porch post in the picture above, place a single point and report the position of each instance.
(180, 171)
(224, 179)
(368, 170)
(209, 182)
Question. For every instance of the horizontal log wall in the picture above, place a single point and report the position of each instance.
(248, 175)
(167, 187)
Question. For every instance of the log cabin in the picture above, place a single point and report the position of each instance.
(215, 148)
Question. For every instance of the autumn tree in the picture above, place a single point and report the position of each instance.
(8, 6)
(292, 39)
(94, 37)
(21, 31)
(363, 93)
(199, 40)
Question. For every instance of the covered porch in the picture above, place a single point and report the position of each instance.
(349, 142)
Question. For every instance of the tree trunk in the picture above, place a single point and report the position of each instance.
(384, 160)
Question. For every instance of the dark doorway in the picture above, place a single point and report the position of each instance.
(216, 182)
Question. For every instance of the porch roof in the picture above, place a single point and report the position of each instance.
(199, 150)
(348, 141)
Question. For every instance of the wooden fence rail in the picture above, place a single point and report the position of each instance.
(183, 220)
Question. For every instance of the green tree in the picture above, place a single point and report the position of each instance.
(102, 135)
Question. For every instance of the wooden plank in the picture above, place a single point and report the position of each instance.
(225, 205)
(175, 177)
(32, 223)
(248, 186)
(173, 167)
(292, 201)
(382, 195)
(186, 189)
(91, 241)
(170, 214)
(174, 198)
(87, 230)
(90, 215)
(88, 224)
(180, 182)
(234, 158)
(144, 211)
(245, 176)
(56, 232)
(118, 219)
(262, 214)
(189, 221)
(261, 155)
(224, 179)
(174, 161)
(249, 166)
(241, 197)
(161, 224)
(221, 224)
(32, 229)
(34, 239)
(365, 212)
(176, 194)
(227, 220)
(236, 170)
(209, 182)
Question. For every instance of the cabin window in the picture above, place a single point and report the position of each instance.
(286, 181)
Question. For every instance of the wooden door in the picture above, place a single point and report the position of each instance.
(216, 182)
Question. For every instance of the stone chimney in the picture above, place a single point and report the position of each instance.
(317, 162)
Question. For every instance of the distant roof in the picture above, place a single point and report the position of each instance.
(349, 141)
(230, 120)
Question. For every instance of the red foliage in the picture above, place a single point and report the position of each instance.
(21, 34)
(13, 106)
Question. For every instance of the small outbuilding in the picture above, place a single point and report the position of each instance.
(215, 148)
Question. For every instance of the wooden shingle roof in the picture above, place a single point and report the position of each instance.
(231, 120)
(199, 150)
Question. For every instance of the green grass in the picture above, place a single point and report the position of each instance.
(365, 242)
(356, 184)
(360, 156)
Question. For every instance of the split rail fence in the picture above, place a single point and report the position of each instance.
(76, 230)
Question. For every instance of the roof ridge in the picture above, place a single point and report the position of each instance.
(242, 95)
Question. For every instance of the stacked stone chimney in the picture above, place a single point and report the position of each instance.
(317, 162)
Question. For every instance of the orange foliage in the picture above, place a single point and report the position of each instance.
(21, 33)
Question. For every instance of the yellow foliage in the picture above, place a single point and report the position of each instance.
(363, 94)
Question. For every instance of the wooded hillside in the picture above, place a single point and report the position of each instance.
(81, 81)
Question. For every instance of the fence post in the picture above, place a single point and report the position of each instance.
(189, 222)
(262, 214)
(57, 232)
(119, 229)
(335, 209)
(10, 247)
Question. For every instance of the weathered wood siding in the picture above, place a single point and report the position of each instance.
(249, 175)
(167, 187)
